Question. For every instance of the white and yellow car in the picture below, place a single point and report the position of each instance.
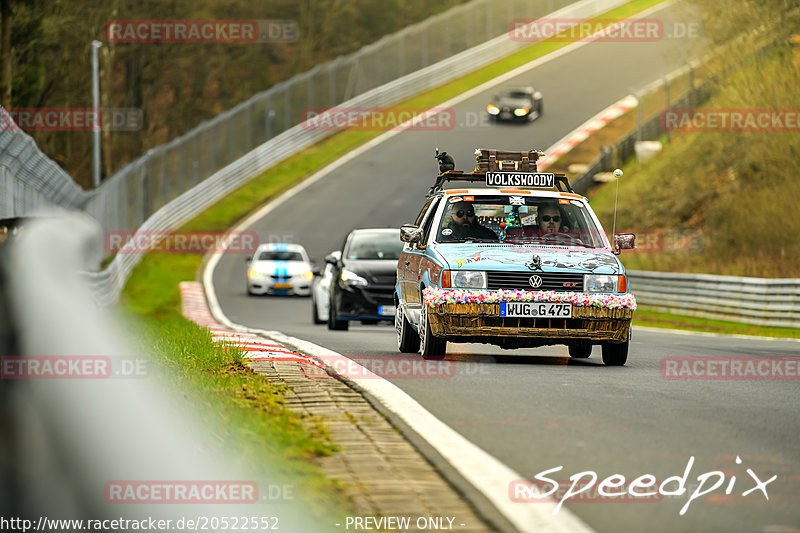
(279, 268)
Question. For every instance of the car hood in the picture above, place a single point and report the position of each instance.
(376, 271)
(511, 258)
(281, 268)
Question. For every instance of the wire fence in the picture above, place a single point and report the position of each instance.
(135, 192)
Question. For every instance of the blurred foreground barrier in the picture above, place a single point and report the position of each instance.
(90, 431)
(765, 302)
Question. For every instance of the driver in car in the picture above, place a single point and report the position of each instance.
(463, 224)
(549, 219)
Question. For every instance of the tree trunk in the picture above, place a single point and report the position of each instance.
(5, 53)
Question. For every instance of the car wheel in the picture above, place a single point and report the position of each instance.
(430, 347)
(315, 311)
(407, 338)
(616, 354)
(333, 321)
(580, 351)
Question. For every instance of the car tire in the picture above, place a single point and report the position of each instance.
(430, 347)
(407, 338)
(314, 311)
(580, 351)
(334, 323)
(616, 353)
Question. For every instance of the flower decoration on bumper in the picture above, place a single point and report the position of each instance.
(435, 297)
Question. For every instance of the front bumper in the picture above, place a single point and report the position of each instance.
(271, 286)
(366, 303)
(482, 323)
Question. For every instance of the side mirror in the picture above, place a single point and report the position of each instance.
(248, 258)
(331, 259)
(624, 241)
(411, 233)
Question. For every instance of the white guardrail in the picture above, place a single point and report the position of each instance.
(765, 302)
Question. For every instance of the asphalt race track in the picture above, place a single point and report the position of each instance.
(535, 410)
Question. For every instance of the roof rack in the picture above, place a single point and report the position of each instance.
(506, 169)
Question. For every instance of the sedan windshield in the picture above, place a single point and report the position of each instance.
(375, 246)
(518, 220)
(280, 256)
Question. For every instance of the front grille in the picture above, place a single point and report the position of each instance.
(379, 295)
(551, 281)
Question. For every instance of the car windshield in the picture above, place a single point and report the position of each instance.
(516, 94)
(280, 256)
(375, 246)
(518, 220)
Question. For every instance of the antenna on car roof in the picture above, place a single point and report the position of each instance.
(618, 175)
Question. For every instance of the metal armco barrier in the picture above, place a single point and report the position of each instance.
(764, 302)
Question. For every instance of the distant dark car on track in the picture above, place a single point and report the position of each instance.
(521, 104)
(364, 277)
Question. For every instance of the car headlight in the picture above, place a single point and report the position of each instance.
(492, 109)
(468, 279)
(255, 274)
(308, 274)
(521, 111)
(352, 279)
(601, 283)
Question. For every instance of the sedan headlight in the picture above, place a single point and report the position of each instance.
(600, 283)
(493, 109)
(308, 274)
(352, 279)
(255, 274)
(468, 279)
(521, 111)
